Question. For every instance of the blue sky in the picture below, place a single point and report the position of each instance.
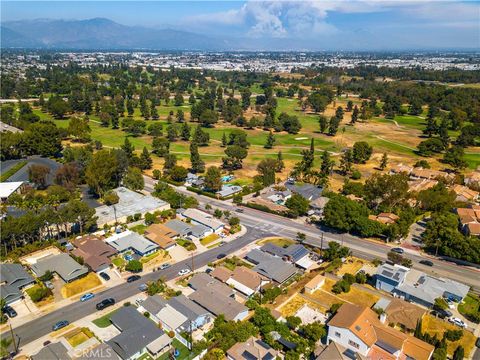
(326, 24)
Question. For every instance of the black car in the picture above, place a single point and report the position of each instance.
(105, 276)
(133, 278)
(426, 262)
(397, 250)
(221, 256)
(105, 303)
(442, 314)
(9, 311)
(477, 343)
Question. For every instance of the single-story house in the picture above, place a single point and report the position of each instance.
(389, 276)
(319, 204)
(295, 253)
(161, 235)
(94, 251)
(271, 267)
(62, 264)
(138, 334)
(308, 191)
(129, 204)
(199, 231)
(465, 194)
(102, 351)
(132, 241)
(401, 312)
(53, 351)
(245, 280)
(470, 219)
(13, 278)
(203, 281)
(178, 313)
(385, 218)
(9, 188)
(181, 228)
(314, 284)
(334, 351)
(252, 349)
(228, 190)
(472, 179)
(199, 217)
(219, 302)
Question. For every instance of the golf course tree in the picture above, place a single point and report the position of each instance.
(266, 171)
(213, 179)
(197, 164)
(160, 146)
(234, 159)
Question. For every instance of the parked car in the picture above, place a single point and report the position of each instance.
(477, 343)
(426, 262)
(184, 272)
(143, 287)
(222, 243)
(164, 266)
(105, 303)
(133, 278)
(48, 342)
(11, 313)
(442, 314)
(87, 296)
(209, 270)
(451, 303)
(239, 210)
(59, 325)
(458, 322)
(397, 250)
(104, 276)
(221, 256)
(49, 285)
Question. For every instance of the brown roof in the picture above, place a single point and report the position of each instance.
(399, 168)
(384, 218)
(404, 313)
(161, 235)
(421, 184)
(428, 173)
(221, 273)
(247, 277)
(465, 192)
(94, 251)
(253, 348)
(473, 228)
(315, 282)
(468, 215)
(363, 322)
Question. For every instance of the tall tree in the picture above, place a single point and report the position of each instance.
(145, 159)
(213, 179)
(198, 165)
(346, 162)
(384, 161)
(270, 141)
(128, 148)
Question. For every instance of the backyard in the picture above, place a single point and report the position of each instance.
(184, 352)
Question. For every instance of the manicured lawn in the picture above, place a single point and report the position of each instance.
(140, 228)
(152, 256)
(104, 321)
(233, 262)
(37, 287)
(119, 261)
(469, 305)
(184, 352)
(145, 356)
(473, 160)
(209, 239)
(81, 285)
(435, 326)
(187, 244)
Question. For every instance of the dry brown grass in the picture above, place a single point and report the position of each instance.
(354, 296)
(292, 306)
(81, 285)
(351, 266)
(435, 326)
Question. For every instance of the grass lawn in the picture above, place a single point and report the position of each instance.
(104, 321)
(351, 266)
(434, 326)
(45, 301)
(119, 261)
(12, 171)
(145, 356)
(152, 256)
(209, 239)
(81, 285)
(469, 305)
(282, 242)
(184, 352)
(140, 228)
(189, 245)
(355, 295)
(78, 336)
(232, 263)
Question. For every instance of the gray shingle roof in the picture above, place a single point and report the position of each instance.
(54, 351)
(218, 302)
(67, 268)
(15, 278)
(136, 332)
(129, 239)
(199, 230)
(308, 191)
(187, 307)
(270, 266)
(202, 281)
(182, 228)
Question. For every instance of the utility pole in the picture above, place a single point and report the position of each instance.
(13, 338)
(193, 268)
(321, 242)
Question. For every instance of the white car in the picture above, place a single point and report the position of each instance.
(458, 322)
(184, 272)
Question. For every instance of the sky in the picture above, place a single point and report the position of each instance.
(325, 24)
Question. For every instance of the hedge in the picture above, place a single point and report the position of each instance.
(13, 170)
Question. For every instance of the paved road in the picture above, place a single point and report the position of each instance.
(43, 325)
(255, 219)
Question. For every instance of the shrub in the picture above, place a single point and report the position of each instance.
(146, 314)
(453, 335)
(349, 278)
(171, 334)
(46, 277)
(134, 266)
(361, 278)
(137, 216)
(356, 175)
(110, 198)
(341, 287)
(127, 303)
(38, 293)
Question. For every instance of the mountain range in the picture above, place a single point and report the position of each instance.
(100, 33)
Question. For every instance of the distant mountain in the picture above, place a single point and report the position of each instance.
(99, 33)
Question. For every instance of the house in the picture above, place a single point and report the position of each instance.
(464, 194)
(129, 203)
(245, 280)
(252, 349)
(308, 191)
(400, 312)
(178, 313)
(94, 251)
(53, 351)
(401, 168)
(334, 351)
(132, 241)
(9, 188)
(423, 289)
(271, 267)
(190, 179)
(219, 302)
(319, 204)
(62, 264)
(203, 281)
(161, 235)
(470, 219)
(314, 284)
(421, 184)
(473, 179)
(280, 197)
(388, 276)
(138, 335)
(228, 190)
(203, 218)
(358, 329)
(221, 273)
(421, 173)
(181, 228)
(13, 278)
(102, 351)
(199, 232)
(385, 218)
(295, 253)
